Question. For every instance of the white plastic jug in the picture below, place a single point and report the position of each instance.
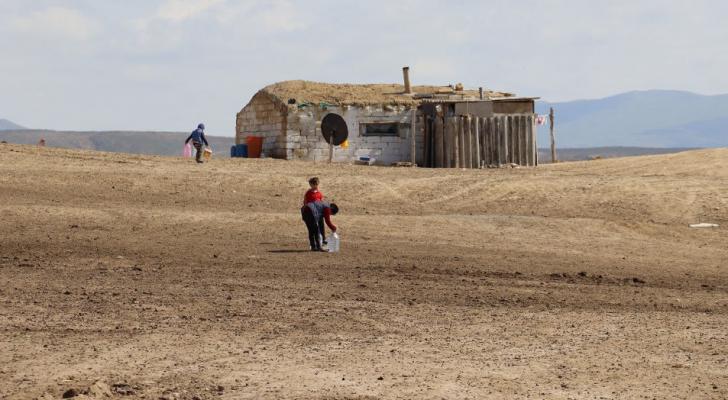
(334, 243)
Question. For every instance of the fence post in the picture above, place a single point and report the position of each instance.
(439, 144)
(553, 137)
(456, 142)
(486, 140)
(481, 139)
(496, 141)
(522, 141)
(469, 142)
(507, 140)
(461, 134)
(426, 141)
(413, 133)
(448, 142)
(534, 139)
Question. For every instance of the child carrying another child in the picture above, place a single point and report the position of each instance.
(314, 194)
(316, 213)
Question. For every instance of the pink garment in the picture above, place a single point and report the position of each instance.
(187, 152)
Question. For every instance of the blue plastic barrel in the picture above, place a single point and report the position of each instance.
(242, 150)
(233, 151)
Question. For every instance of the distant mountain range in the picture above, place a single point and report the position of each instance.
(9, 125)
(170, 144)
(159, 143)
(593, 153)
(653, 118)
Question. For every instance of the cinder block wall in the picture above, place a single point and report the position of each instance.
(262, 117)
(296, 134)
(305, 141)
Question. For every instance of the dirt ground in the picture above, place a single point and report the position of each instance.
(125, 276)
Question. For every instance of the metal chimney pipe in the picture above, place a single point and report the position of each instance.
(405, 73)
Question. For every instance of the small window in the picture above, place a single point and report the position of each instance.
(381, 129)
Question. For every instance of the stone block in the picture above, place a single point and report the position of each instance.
(300, 153)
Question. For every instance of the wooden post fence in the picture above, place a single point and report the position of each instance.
(478, 142)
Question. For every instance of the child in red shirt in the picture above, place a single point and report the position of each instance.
(312, 195)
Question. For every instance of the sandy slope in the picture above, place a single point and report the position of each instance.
(579, 280)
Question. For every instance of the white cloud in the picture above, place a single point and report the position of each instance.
(165, 29)
(146, 73)
(146, 35)
(181, 10)
(282, 16)
(235, 26)
(433, 70)
(54, 21)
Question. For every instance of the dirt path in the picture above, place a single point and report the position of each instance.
(579, 280)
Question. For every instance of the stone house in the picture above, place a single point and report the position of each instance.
(379, 118)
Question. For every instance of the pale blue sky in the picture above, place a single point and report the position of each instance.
(169, 64)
